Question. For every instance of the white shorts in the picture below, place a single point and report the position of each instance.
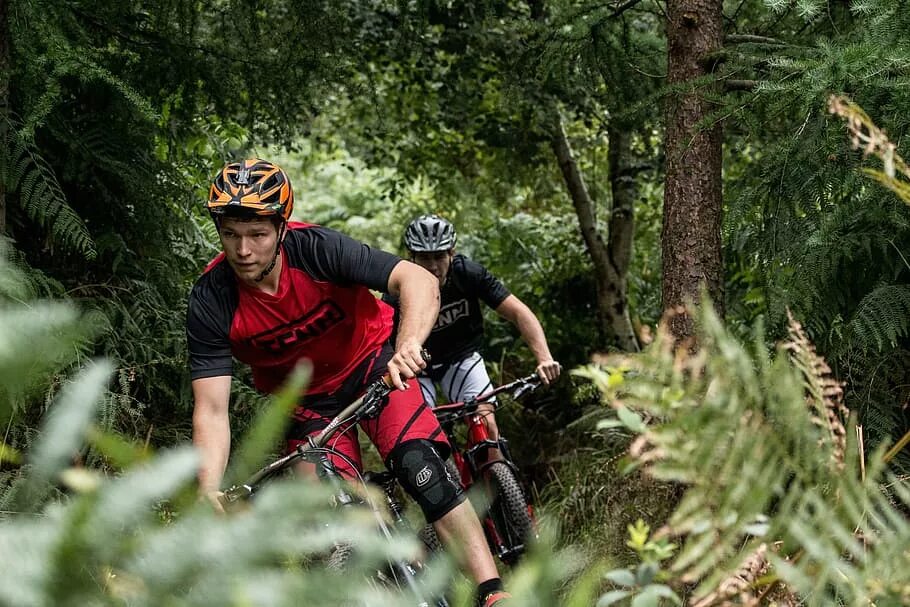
(459, 381)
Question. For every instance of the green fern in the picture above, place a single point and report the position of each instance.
(24, 171)
(882, 317)
(761, 468)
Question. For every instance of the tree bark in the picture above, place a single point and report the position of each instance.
(5, 67)
(690, 241)
(622, 230)
(610, 276)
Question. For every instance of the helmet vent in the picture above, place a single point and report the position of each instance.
(429, 233)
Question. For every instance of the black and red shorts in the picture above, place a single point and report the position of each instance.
(404, 417)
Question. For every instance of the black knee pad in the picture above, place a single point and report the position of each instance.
(422, 472)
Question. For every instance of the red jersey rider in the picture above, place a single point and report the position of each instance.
(284, 291)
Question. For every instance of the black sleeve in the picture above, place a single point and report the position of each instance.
(481, 283)
(208, 322)
(392, 300)
(333, 257)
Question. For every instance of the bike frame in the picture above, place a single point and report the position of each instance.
(365, 406)
(479, 442)
(473, 459)
(315, 451)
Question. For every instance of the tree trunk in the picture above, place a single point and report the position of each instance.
(5, 67)
(610, 276)
(622, 228)
(690, 242)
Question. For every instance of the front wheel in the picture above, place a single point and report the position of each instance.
(509, 513)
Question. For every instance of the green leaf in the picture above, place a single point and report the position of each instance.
(612, 597)
(651, 595)
(606, 424)
(64, 431)
(117, 449)
(9, 454)
(124, 502)
(645, 574)
(646, 598)
(621, 577)
(631, 420)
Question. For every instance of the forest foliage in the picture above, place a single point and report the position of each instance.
(118, 113)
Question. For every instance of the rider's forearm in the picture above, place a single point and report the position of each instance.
(212, 437)
(533, 335)
(418, 295)
(516, 312)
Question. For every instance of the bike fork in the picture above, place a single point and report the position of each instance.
(404, 568)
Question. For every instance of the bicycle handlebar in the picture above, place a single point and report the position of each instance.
(363, 407)
(518, 388)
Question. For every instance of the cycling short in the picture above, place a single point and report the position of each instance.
(459, 380)
(405, 417)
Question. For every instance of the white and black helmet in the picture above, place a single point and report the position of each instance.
(429, 234)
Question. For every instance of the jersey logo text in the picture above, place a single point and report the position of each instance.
(317, 322)
(449, 313)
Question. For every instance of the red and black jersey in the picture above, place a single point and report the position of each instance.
(323, 311)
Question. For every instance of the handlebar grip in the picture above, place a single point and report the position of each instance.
(387, 379)
(235, 493)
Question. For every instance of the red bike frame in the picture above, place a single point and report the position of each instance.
(472, 460)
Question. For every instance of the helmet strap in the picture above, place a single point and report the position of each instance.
(271, 266)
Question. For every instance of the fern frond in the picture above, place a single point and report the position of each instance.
(882, 317)
(40, 194)
(825, 394)
(760, 467)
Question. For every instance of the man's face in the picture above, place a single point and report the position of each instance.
(437, 263)
(249, 246)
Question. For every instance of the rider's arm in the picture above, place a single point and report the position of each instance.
(418, 294)
(211, 429)
(515, 311)
(332, 256)
(208, 319)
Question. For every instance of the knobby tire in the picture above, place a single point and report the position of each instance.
(509, 508)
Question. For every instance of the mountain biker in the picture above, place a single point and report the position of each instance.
(282, 292)
(457, 334)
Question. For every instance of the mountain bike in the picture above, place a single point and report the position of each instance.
(401, 573)
(509, 523)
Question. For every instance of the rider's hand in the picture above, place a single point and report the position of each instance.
(406, 363)
(548, 370)
(214, 499)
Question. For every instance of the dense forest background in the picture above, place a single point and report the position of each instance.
(610, 162)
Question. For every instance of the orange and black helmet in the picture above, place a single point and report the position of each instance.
(249, 188)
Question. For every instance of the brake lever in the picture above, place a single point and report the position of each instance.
(470, 405)
(525, 388)
(373, 398)
(234, 494)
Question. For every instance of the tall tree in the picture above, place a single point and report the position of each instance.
(5, 66)
(691, 239)
(610, 259)
(610, 253)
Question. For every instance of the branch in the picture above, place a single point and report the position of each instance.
(623, 7)
(752, 39)
(740, 85)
